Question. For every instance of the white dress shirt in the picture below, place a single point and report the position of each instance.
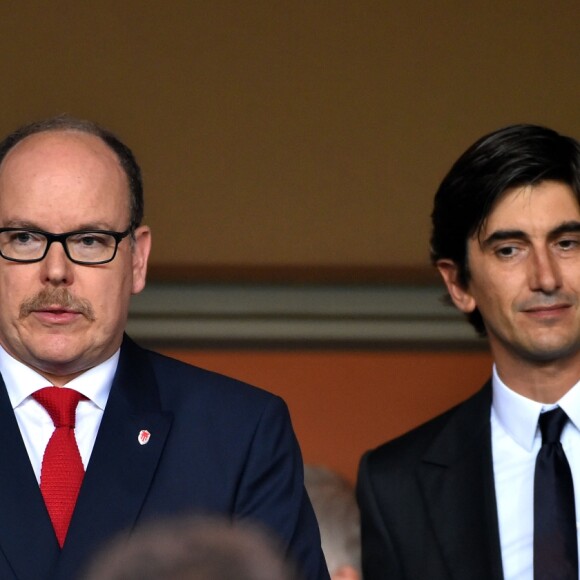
(516, 440)
(35, 423)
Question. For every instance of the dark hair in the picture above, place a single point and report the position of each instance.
(511, 157)
(123, 153)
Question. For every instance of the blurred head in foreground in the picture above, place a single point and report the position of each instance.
(193, 549)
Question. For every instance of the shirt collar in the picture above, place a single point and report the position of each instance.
(21, 381)
(519, 415)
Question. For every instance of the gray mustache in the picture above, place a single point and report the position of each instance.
(60, 297)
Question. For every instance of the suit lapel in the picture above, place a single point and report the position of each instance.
(25, 526)
(457, 471)
(121, 468)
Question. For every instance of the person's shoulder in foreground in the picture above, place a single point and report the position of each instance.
(156, 437)
(506, 241)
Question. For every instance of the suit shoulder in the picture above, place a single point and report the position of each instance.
(406, 449)
(412, 443)
(180, 378)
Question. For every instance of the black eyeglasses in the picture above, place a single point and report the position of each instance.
(88, 247)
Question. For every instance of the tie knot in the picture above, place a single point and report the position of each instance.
(551, 425)
(60, 403)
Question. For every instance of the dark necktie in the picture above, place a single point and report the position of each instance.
(555, 540)
(62, 467)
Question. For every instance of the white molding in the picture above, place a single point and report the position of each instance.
(301, 315)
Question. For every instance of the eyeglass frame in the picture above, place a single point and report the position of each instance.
(62, 238)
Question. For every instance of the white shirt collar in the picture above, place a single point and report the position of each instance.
(21, 381)
(519, 415)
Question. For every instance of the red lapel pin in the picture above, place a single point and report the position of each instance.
(143, 437)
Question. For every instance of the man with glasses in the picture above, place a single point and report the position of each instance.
(98, 435)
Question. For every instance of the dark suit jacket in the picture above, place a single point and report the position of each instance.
(216, 446)
(427, 499)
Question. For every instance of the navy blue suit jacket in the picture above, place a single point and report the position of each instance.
(217, 446)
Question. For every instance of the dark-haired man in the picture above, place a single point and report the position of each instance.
(156, 437)
(482, 492)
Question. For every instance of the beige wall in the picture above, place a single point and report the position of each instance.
(292, 133)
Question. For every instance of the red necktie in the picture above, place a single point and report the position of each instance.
(62, 467)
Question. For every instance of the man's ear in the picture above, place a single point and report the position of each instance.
(460, 295)
(140, 256)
